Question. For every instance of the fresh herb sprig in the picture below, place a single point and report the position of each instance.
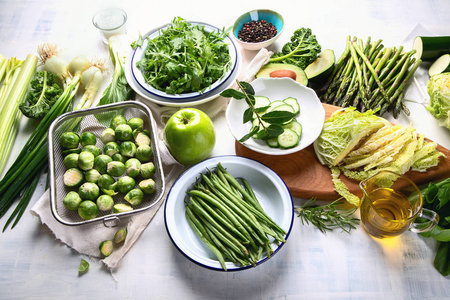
(327, 217)
(274, 118)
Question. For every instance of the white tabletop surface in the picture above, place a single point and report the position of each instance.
(34, 265)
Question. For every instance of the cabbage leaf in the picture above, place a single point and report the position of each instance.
(438, 88)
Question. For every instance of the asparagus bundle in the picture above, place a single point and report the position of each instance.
(370, 76)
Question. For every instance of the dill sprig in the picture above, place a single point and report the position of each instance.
(327, 217)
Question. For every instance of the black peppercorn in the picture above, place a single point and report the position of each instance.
(257, 31)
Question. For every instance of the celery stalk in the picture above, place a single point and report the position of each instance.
(10, 106)
(3, 62)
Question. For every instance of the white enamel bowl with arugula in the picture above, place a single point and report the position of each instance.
(311, 116)
(151, 92)
(269, 188)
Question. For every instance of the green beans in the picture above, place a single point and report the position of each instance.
(229, 219)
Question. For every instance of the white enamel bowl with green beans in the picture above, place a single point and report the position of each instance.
(309, 113)
(242, 250)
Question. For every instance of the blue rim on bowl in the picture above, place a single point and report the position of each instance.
(139, 52)
(268, 186)
(256, 15)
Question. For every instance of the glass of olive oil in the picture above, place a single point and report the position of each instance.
(390, 205)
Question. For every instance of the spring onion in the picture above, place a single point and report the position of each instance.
(16, 89)
(33, 157)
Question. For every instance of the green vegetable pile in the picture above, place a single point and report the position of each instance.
(370, 76)
(436, 196)
(44, 92)
(301, 51)
(439, 90)
(228, 217)
(93, 176)
(185, 58)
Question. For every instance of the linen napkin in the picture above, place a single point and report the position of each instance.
(85, 239)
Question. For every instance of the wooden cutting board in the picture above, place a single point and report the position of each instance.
(306, 177)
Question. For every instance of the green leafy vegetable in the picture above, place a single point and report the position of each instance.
(327, 217)
(301, 51)
(436, 197)
(43, 94)
(185, 58)
(118, 90)
(439, 90)
(273, 119)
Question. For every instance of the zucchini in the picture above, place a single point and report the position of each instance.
(288, 139)
(430, 48)
(321, 68)
(441, 65)
(294, 103)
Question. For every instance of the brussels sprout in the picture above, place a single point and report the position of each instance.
(108, 135)
(125, 184)
(123, 132)
(70, 151)
(142, 138)
(105, 181)
(101, 162)
(136, 123)
(134, 197)
(93, 149)
(86, 160)
(89, 191)
(120, 235)
(105, 202)
(69, 140)
(73, 177)
(147, 170)
(119, 157)
(92, 175)
(87, 210)
(83, 268)
(111, 148)
(87, 138)
(117, 120)
(115, 168)
(128, 149)
(72, 200)
(148, 186)
(144, 153)
(119, 208)
(132, 167)
(71, 161)
(112, 190)
(106, 248)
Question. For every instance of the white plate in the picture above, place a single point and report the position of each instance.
(311, 117)
(268, 186)
(137, 82)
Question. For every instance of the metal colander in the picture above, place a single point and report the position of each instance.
(86, 120)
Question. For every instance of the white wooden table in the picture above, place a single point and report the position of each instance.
(311, 265)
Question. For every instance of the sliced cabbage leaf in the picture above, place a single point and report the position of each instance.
(342, 189)
(342, 132)
(438, 88)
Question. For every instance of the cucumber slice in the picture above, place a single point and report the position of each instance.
(273, 142)
(261, 101)
(284, 107)
(274, 104)
(288, 139)
(430, 48)
(321, 68)
(294, 103)
(295, 126)
(441, 65)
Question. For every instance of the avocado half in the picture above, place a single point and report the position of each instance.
(277, 70)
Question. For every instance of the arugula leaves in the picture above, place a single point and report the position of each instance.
(185, 58)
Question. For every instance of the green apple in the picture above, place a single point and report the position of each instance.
(189, 135)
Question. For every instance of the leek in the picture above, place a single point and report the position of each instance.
(10, 113)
